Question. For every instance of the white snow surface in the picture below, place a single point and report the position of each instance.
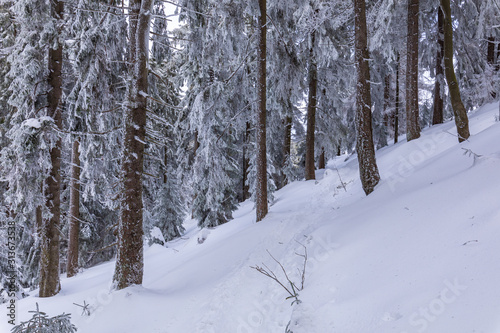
(419, 254)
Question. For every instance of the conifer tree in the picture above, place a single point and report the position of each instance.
(163, 196)
(461, 119)
(311, 108)
(412, 112)
(49, 263)
(364, 139)
(129, 263)
(437, 114)
(32, 159)
(261, 151)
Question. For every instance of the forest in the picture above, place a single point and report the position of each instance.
(121, 120)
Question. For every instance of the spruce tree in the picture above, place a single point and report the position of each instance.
(260, 139)
(461, 119)
(412, 106)
(364, 139)
(129, 263)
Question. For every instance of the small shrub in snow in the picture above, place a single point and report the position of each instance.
(41, 323)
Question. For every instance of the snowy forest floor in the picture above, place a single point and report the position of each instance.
(420, 254)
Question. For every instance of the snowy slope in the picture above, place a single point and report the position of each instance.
(420, 254)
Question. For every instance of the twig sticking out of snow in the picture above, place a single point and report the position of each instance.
(292, 290)
(471, 153)
(85, 307)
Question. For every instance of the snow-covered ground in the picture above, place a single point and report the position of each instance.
(420, 254)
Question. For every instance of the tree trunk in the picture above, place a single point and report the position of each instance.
(437, 114)
(412, 114)
(49, 256)
(396, 107)
(311, 111)
(497, 67)
(246, 162)
(261, 160)
(387, 100)
(129, 262)
(287, 148)
(74, 212)
(364, 139)
(490, 57)
(461, 120)
(321, 161)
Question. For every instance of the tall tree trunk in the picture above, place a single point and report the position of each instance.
(461, 119)
(396, 108)
(74, 212)
(261, 160)
(490, 57)
(129, 262)
(311, 110)
(412, 114)
(49, 256)
(368, 170)
(437, 114)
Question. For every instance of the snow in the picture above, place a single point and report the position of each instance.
(37, 122)
(419, 254)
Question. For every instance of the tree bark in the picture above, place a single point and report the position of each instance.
(74, 212)
(49, 255)
(287, 148)
(387, 100)
(396, 107)
(321, 160)
(311, 111)
(497, 67)
(246, 162)
(129, 262)
(461, 119)
(412, 114)
(437, 114)
(490, 57)
(261, 160)
(364, 139)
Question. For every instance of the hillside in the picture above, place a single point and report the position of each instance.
(420, 254)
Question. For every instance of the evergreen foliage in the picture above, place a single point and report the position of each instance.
(42, 323)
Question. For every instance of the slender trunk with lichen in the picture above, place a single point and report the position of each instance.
(368, 169)
(461, 119)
